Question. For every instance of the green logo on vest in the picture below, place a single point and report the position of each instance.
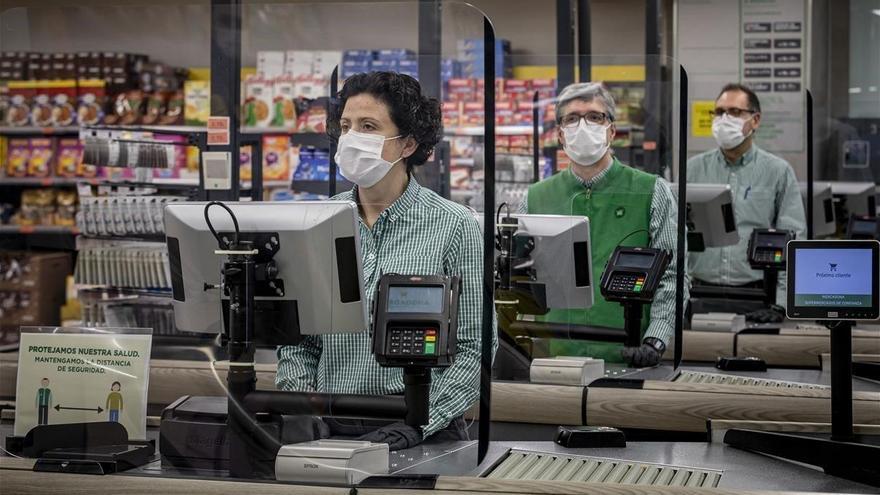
(620, 212)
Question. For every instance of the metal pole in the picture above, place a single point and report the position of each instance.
(334, 90)
(841, 382)
(682, 210)
(226, 83)
(584, 35)
(536, 138)
(652, 86)
(810, 178)
(488, 240)
(564, 44)
(430, 18)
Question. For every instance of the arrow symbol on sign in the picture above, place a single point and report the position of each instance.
(97, 410)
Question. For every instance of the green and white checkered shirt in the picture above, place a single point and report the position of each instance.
(765, 195)
(420, 233)
(663, 234)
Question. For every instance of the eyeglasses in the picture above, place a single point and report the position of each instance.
(573, 119)
(732, 111)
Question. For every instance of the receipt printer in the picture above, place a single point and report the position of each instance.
(341, 462)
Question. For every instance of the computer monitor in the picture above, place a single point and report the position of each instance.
(319, 288)
(833, 280)
(560, 259)
(824, 219)
(710, 216)
(860, 197)
(863, 227)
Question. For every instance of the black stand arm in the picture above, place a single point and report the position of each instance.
(771, 281)
(843, 454)
(632, 321)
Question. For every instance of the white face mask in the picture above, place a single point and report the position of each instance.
(728, 131)
(359, 156)
(586, 144)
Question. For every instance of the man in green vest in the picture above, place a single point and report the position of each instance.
(44, 402)
(625, 207)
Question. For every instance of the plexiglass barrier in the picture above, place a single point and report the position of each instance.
(357, 319)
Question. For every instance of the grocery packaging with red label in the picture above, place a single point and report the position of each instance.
(41, 104)
(284, 102)
(90, 101)
(20, 95)
(63, 101)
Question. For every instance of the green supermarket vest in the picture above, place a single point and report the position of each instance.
(618, 204)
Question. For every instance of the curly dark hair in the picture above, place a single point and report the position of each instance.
(414, 115)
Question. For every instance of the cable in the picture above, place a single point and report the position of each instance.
(498, 217)
(627, 236)
(211, 226)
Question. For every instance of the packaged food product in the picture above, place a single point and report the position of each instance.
(65, 211)
(197, 102)
(173, 109)
(305, 168)
(18, 155)
(451, 111)
(316, 120)
(42, 156)
(284, 102)
(127, 108)
(63, 100)
(244, 162)
(270, 64)
(37, 207)
(173, 160)
(276, 159)
(90, 101)
(69, 157)
(41, 104)
(20, 94)
(258, 102)
(154, 107)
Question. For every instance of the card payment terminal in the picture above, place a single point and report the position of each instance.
(633, 274)
(415, 319)
(767, 248)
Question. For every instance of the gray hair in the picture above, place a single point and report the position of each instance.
(587, 92)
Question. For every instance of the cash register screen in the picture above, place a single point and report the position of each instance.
(635, 260)
(415, 299)
(830, 278)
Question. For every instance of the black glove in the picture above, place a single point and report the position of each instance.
(646, 355)
(398, 436)
(773, 314)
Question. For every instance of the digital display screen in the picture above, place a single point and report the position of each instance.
(828, 278)
(635, 260)
(772, 240)
(415, 299)
(215, 168)
(864, 226)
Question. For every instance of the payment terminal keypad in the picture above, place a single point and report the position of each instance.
(409, 341)
(627, 282)
(768, 256)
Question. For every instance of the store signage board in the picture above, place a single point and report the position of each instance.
(218, 131)
(83, 375)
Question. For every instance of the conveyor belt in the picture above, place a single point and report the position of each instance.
(717, 378)
(529, 465)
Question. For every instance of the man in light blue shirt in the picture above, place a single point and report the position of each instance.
(764, 187)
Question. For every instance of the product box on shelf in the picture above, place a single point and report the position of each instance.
(276, 157)
(197, 102)
(245, 158)
(21, 94)
(284, 102)
(451, 112)
(299, 62)
(473, 114)
(270, 64)
(69, 157)
(41, 104)
(325, 61)
(257, 102)
(17, 157)
(42, 159)
(64, 99)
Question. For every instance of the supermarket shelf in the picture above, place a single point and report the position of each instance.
(38, 131)
(319, 186)
(501, 130)
(37, 229)
(182, 129)
(72, 181)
